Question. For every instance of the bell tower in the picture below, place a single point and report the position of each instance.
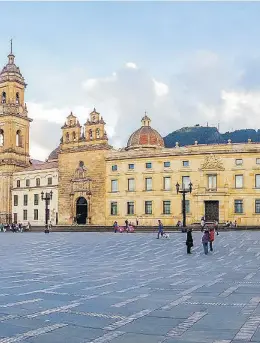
(14, 131)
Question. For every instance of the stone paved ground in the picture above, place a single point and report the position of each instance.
(128, 288)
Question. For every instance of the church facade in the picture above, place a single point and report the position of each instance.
(96, 184)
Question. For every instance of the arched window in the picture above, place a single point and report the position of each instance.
(17, 99)
(1, 137)
(74, 135)
(81, 164)
(71, 123)
(3, 98)
(18, 138)
(90, 134)
(67, 137)
(97, 133)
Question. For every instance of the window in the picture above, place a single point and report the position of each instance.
(185, 182)
(27, 183)
(187, 206)
(185, 163)
(67, 137)
(17, 100)
(148, 184)
(38, 182)
(36, 199)
(35, 214)
(18, 138)
(257, 181)
(257, 161)
(3, 98)
(73, 135)
(238, 206)
(15, 217)
(49, 181)
(167, 207)
(239, 161)
(212, 182)
(131, 185)
(114, 186)
(130, 207)
(25, 200)
(167, 183)
(167, 164)
(114, 167)
(1, 137)
(131, 166)
(257, 206)
(113, 208)
(18, 183)
(238, 181)
(148, 165)
(24, 214)
(81, 164)
(97, 133)
(148, 207)
(15, 200)
(90, 134)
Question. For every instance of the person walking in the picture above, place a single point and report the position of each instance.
(115, 225)
(202, 224)
(211, 238)
(205, 241)
(160, 229)
(216, 226)
(189, 241)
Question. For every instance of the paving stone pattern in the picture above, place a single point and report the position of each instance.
(128, 288)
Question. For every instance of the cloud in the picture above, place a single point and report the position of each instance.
(206, 88)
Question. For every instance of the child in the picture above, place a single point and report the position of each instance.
(189, 241)
(205, 241)
(211, 238)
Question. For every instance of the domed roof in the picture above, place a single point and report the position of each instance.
(145, 137)
(11, 72)
(54, 154)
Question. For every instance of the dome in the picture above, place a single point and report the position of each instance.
(11, 72)
(54, 154)
(145, 137)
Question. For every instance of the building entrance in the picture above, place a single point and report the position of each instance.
(211, 211)
(81, 211)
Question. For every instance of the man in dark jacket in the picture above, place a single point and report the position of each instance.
(189, 241)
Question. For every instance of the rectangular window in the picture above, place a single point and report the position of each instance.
(238, 181)
(167, 207)
(238, 206)
(257, 206)
(36, 199)
(187, 206)
(113, 209)
(35, 214)
(148, 207)
(167, 164)
(185, 163)
(257, 161)
(114, 186)
(239, 161)
(49, 181)
(27, 182)
(131, 185)
(15, 218)
(131, 166)
(257, 181)
(18, 183)
(24, 214)
(185, 182)
(148, 165)
(15, 200)
(212, 182)
(130, 207)
(114, 167)
(167, 183)
(38, 182)
(25, 200)
(148, 184)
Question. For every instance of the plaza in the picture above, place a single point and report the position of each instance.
(125, 288)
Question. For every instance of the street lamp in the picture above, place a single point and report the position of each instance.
(47, 198)
(183, 192)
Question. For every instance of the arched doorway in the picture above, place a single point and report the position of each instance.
(81, 210)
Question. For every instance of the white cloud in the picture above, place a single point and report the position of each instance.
(161, 88)
(131, 65)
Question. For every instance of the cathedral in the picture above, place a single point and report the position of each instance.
(92, 183)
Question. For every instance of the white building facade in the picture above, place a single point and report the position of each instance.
(28, 186)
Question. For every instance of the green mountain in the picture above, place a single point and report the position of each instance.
(209, 135)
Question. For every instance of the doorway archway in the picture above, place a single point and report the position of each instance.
(81, 211)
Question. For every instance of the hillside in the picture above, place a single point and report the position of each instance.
(209, 135)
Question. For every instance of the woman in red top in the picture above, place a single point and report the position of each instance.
(211, 238)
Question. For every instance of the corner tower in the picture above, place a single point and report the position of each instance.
(14, 132)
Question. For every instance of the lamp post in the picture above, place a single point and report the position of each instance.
(183, 192)
(47, 197)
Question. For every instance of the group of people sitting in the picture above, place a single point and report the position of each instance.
(14, 227)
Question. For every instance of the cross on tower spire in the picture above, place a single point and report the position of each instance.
(11, 41)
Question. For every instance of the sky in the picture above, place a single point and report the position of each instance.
(185, 63)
